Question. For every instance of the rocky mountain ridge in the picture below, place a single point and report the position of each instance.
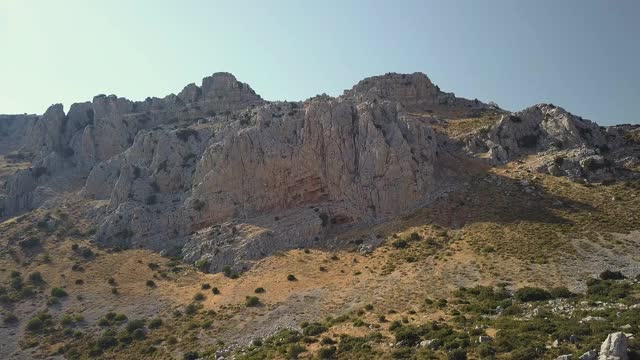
(225, 177)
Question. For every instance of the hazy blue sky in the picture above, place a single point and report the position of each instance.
(583, 55)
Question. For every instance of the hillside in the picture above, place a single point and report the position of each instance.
(394, 221)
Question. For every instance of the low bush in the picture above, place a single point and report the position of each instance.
(612, 275)
(252, 301)
(527, 294)
(135, 325)
(29, 243)
(58, 293)
(36, 278)
(314, 329)
(400, 244)
(10, 318)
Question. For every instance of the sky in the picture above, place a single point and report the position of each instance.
(583, 55)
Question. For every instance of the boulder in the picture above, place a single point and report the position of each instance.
(589, 355)
(484, 339)
(614, 347)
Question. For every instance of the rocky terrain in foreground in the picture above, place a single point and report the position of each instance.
(422, 224)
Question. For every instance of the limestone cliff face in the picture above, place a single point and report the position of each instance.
(225, 178)
(68, 146)
(326, 162)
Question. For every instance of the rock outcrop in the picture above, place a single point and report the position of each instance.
(68, 146)
(12, 131)
(416, 93)
(536, 129)
(567, 145)
(614, 347)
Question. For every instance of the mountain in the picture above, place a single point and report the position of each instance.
(390, 187)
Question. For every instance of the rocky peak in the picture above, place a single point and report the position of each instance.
(220, 92)
(415, 92)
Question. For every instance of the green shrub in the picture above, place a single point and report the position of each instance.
(612, 275)
(29, 243)
(561, 292)
(400, 244)
(293, 350)
(199, 297)
(36, 278)
(395, 325)
(314, 329)
(86, 253)
(10, 318)
(457, 354)
(527, 294)
(58, 293)
(215, 291)
(202, 264)
(486, 351)
(291, 277)
(192, 309)
(138, 334)
(252, 301)
(155, 323)
(327, 352)
(408, 335)
(607, 290)
(190, 355)
(111, 315)
(259, 290)
(106, 341)
(35, 325)
(27, 292)
(134, 325)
